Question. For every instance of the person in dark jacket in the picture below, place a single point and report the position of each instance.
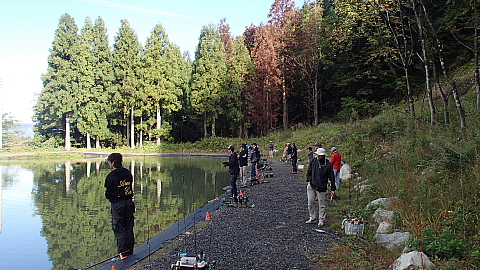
(318, 174)
(255, 160)
(234, 169)
(243, 163)
(119, 191)
(294, 158)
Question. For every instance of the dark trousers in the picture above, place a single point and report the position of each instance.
(233, 184)
(253, 172)
(122, 225)
(294, 164)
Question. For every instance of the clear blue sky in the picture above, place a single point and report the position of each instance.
(27, 29)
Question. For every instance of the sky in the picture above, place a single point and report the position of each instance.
(27, 28)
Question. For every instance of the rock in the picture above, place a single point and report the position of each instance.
(412, 260)
(393, 241)
(382, 202)
(345, 172)
(385, 227)
(381, 215)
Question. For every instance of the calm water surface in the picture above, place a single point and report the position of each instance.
(54, 215)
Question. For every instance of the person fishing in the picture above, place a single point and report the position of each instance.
(234, 169)
(119, 191)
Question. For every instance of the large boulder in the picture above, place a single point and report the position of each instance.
(385, 227)
(412, 260)
(393, 241)
(381, 215)
(381, 202)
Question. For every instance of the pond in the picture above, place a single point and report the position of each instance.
(54, 215)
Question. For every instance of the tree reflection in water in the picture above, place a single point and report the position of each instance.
(76, 216)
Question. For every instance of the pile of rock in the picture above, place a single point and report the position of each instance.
(395, 240)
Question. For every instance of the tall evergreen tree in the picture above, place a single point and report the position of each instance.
(208, 77)
(162, 75)
(126, 65)
(58, 100)
(96, 83)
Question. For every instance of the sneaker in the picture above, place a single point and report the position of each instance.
(320, 224)
(311, 220)
(123, 257)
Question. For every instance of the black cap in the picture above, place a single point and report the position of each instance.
(115, 157)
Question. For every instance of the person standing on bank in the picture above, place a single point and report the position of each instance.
(119, 191)
(243, 163)
(234, 169)
(310, 155)
(271, 149)
(336, 160)
(319, 172)
(294, 158)
(254, 159)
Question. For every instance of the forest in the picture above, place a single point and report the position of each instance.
(322, 61)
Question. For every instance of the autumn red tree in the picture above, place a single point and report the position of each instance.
(282, 20)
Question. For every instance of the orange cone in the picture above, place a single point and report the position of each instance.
(114, 267)
(241, 192)
(207, 217)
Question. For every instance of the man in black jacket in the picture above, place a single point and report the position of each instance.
(255, 160)
(318, 174)
(119, 191)
(243, 163)
(234, 169)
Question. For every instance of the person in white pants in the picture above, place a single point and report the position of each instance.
(319, 172)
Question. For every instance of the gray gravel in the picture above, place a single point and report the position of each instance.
(270, 234)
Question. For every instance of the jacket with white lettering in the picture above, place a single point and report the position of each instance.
(119, 185)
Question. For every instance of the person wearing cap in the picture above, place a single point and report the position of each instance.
(310, 155)
(234, 169)
(318, 174)
(254, 159)
(294, 158)
(243, 163)
(271, 148)
(336, 160)
(317, 145)
(119, 191)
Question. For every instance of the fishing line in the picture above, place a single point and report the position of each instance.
(146, 208)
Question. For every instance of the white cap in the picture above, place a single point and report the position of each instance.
(320, 152)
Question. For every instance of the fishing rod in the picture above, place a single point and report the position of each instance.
(104, 261)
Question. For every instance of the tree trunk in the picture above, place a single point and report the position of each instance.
(89, 144)
(159, 123)
(68, 146)
(477, 71)
(315, 100)
(446, 113)
(213, 125)
(140, 138)
(453, 84)
(284, 101)
(426, 61)
(132, 130)
(97, 142)
(204, 124)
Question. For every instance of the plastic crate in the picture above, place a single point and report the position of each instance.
(355, 229)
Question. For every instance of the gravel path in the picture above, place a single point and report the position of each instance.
(272, 234)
